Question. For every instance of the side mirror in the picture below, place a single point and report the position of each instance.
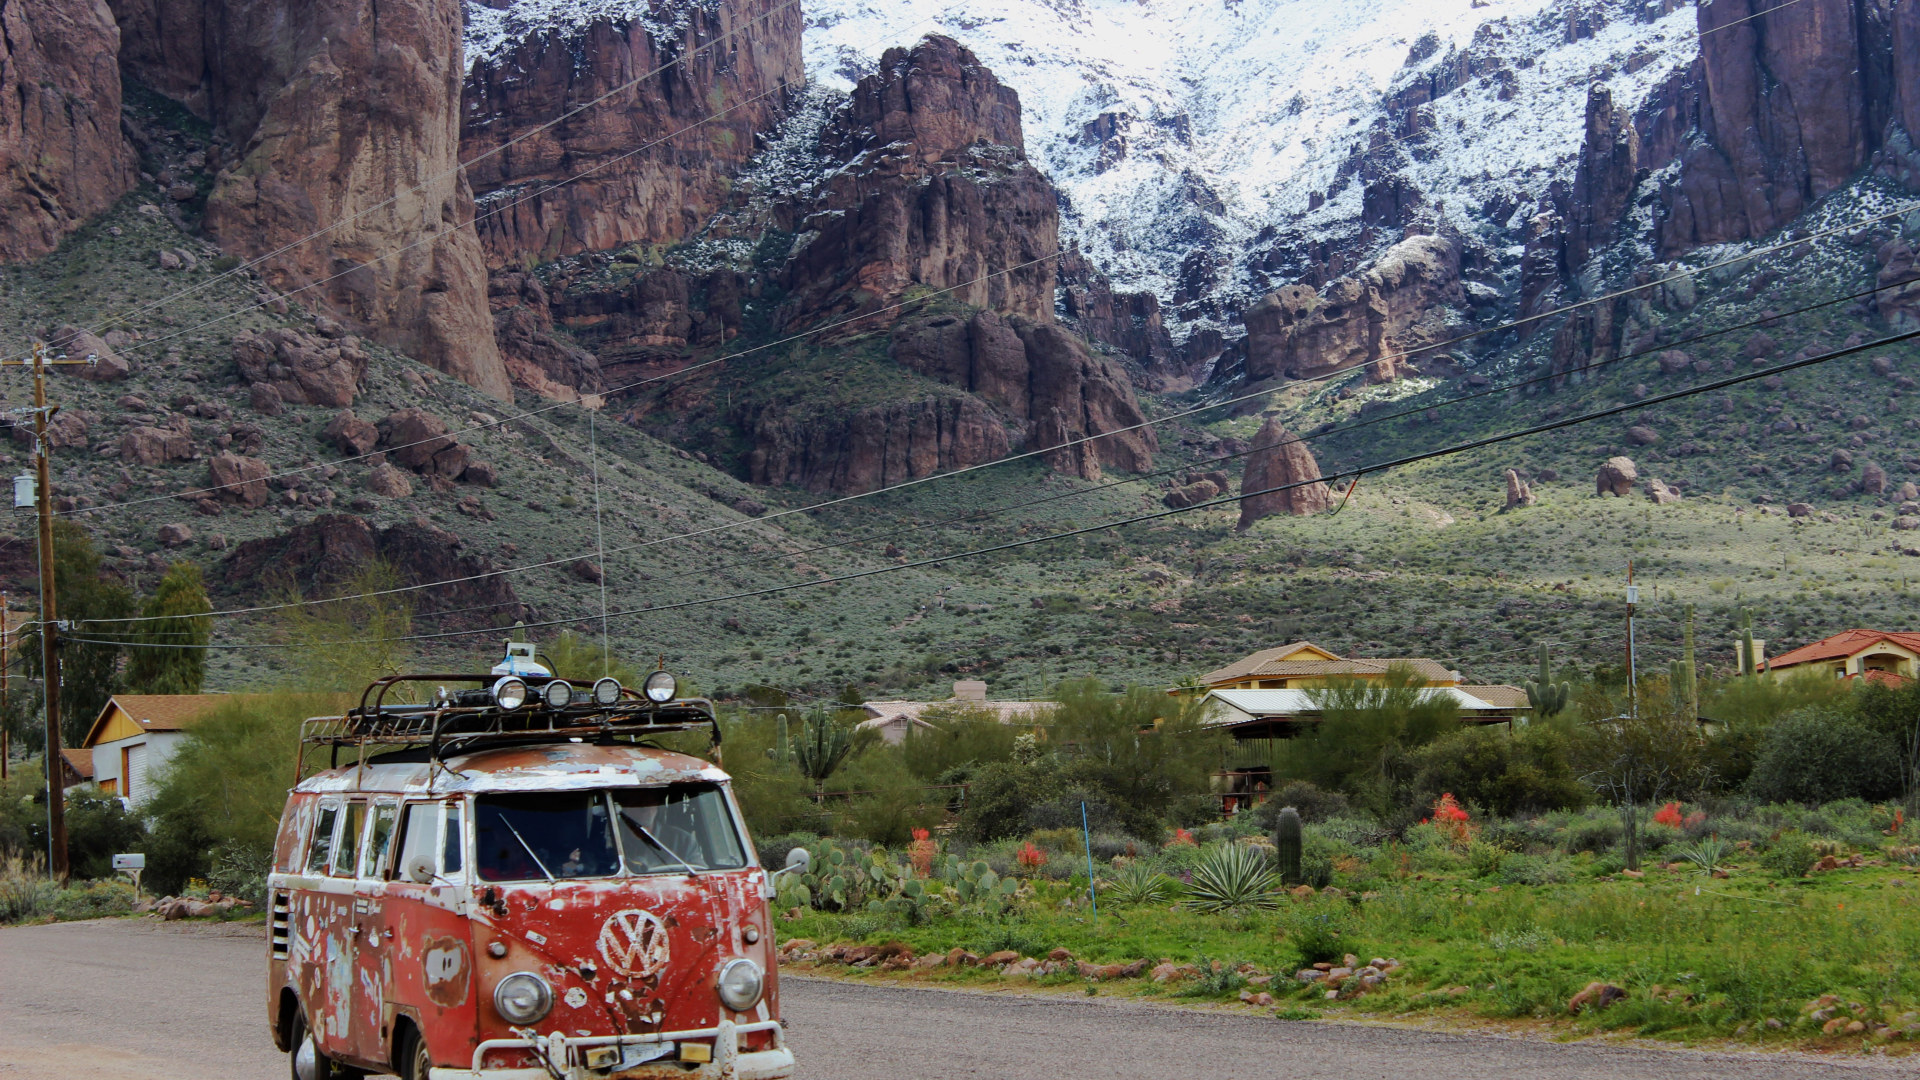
(799, 861)
(420, 870)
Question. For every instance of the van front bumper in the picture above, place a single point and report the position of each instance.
(567, 1056)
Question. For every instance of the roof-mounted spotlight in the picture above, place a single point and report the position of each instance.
(558, 694)
(509, 693)
(606, 692)
(661, 687)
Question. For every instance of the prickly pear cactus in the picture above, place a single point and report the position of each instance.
(1289, 840)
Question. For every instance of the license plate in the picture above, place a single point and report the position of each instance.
(615, 1058)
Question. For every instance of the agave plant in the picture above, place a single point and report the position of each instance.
(1140, 883)
(1230, 877)
(1707, 855)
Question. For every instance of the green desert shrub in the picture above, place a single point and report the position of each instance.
(1789, 855)
(1819, 755)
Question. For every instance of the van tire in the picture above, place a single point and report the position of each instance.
(323, 1067)
(415, 1064)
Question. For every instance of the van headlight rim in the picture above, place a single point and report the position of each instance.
(523, 998)
(558, 694)
(740, 984)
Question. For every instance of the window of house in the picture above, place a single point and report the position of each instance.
(320, 847)
(379, 837)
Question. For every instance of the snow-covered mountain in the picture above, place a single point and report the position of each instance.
(1204, 146)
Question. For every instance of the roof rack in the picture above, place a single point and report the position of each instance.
(461, 721)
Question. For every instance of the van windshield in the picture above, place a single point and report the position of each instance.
(570, 835)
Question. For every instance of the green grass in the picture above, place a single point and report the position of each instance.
(1727, 955)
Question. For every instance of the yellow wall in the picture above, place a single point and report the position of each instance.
(118, 726)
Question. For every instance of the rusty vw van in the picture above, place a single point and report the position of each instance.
(511, 881)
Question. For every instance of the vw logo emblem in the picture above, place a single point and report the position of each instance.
(634, 942)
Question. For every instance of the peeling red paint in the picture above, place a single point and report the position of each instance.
(623, 955)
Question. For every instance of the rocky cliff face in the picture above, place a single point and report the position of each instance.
(62, 156)
(1367, 320)
(339, 113)
(645, 166)
(935, 192)
(876, 446)
(1280, 460)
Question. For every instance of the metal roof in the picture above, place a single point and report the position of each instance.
(546, 767)
(1262, 704)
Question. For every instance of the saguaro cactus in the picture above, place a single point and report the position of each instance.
(822, 748)
(1749, 656)
(1685, 677)
(1288, 840)
(782, 749)
(1547, 697)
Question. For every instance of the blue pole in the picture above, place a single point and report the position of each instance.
(1087, 834)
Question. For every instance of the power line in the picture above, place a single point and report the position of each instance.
(1382, 466)
(459, 166)
(601, 551)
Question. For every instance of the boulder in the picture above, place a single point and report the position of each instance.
(354, 436)
(1641, 435)
(174, 535)
(1519, 493)
(155, 446)
(587, 571)
(1909, 491)
(1190, 494)
(78, 344)
(418, 440)
(302, 368)
(1281, 477)
(1798, 509)
(1659, 493)
(388, 480)
(1842, 461)
(238, 479)
(481, 474)
(1873, 479)
(1616, 477)
(264, 399)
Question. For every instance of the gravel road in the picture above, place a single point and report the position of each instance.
(139, 1000)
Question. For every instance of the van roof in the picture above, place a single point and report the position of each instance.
(545, 767)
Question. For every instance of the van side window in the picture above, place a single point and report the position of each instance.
(349, 845)
(378, 837)
(320, 848)
(450, 856)
(418, 835)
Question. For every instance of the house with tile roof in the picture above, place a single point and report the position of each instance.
(1882, 655)
(1303, 664)
(135, 735)
(894, 719)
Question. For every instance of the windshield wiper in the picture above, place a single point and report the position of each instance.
(657, 842)
(528, 848)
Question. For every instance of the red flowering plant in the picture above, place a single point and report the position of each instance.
(1451, 820)
(921, 851)
(1669, 815)
(1030, 857)
(1182, 837)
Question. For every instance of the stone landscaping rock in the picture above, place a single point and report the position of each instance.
(1597, 996)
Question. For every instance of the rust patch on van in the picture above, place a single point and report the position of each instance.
(446, 971)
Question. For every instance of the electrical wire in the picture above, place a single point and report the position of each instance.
(1381, 466)
(458, 167)
(976, 515)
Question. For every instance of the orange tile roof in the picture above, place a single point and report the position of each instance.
(1843, 644)
(1506, 697)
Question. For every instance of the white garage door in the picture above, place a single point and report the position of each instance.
(135, 764)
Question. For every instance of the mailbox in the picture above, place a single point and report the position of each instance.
(130, 862)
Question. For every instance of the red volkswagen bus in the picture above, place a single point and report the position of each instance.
(513, 882)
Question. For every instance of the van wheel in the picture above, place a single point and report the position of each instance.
(416, 1065)
(305, 1061)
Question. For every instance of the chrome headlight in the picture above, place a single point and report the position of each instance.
(740, 985)
(606, 691)
(558, 694)
(522, 997)
(509, 693)
(660, 687)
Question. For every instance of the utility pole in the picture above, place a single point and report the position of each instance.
(6, 659)
(49, 616)
(1633, 671)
